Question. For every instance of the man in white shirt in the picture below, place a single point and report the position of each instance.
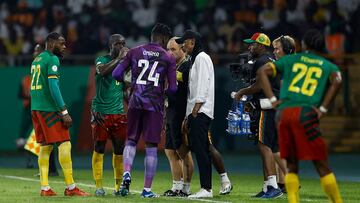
(200, 107)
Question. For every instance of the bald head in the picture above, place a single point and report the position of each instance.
(116, 43)
(175, 50)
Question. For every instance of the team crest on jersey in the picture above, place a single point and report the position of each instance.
(54, 68)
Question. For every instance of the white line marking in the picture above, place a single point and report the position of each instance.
(108, 188)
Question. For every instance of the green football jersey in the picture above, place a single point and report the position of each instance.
(45, 66)
(305, 79)
(109, 92)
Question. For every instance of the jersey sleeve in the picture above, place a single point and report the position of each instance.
(334, 68)
(334, 72)
(279, 65)
(53, 67)
(118, 72)
(100, 60)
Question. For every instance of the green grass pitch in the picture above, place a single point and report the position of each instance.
(20, 185)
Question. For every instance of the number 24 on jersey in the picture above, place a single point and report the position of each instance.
(144, 64)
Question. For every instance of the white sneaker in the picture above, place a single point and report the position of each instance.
(202, 194)
(226, 187)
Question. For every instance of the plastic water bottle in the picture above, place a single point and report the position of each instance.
(238, 121)
(231, 122)
(243, 125)
(247, 122)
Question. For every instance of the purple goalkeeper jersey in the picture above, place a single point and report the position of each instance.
(150, 66)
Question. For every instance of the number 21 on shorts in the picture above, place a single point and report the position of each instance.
(144, 64)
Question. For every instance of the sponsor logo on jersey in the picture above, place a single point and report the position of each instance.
(151, 53)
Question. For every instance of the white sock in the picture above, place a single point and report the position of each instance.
(147, 189)
(71, 187)
(265, 186)
(186, 188)
(224, 178)
(180, 185)
(177, 185)
(272, 181)
(45, 188)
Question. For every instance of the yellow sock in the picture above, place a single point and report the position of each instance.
(43, 161)
(97, 168)
(65, 162)
(117, 162)
(292, 187)
(330, 187)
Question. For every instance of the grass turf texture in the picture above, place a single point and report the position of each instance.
(15, 189)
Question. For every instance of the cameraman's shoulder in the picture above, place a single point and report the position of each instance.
(268, 58)
(263, 59)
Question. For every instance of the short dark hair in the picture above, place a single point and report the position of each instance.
(52, 36)
(114, 37)
(314, 40)
(161, 30)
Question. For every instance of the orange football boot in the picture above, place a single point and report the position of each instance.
(49, 192)
(75, 192)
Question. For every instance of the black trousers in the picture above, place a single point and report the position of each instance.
(199, 144)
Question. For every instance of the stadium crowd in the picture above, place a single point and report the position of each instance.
(87, 24)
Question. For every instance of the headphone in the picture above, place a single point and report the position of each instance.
(287, 47)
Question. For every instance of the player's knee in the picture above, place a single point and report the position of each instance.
(292, 165)
(322, 167)
(172, 155)
(99, 147)
(148, 144)
(118, 149)
(130, 143)
(118, 146)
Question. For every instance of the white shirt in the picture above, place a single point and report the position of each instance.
(202, 85)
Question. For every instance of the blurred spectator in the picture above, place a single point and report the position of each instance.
(40, 32)
(269, 17)
(135, 37)
(87, 23)
(145, 16)
(14, 43)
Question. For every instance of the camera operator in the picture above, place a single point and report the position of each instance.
(264, 116)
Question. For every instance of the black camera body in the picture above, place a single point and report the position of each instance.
(243, 69)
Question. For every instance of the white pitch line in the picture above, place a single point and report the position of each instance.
(108, 188)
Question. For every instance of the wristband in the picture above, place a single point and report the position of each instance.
(273, 99)
(65, 112)
(323, 109)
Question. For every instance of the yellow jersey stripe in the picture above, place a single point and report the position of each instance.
(53, 76)
(273, 68)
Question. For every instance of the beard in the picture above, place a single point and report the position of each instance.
(57, 53)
